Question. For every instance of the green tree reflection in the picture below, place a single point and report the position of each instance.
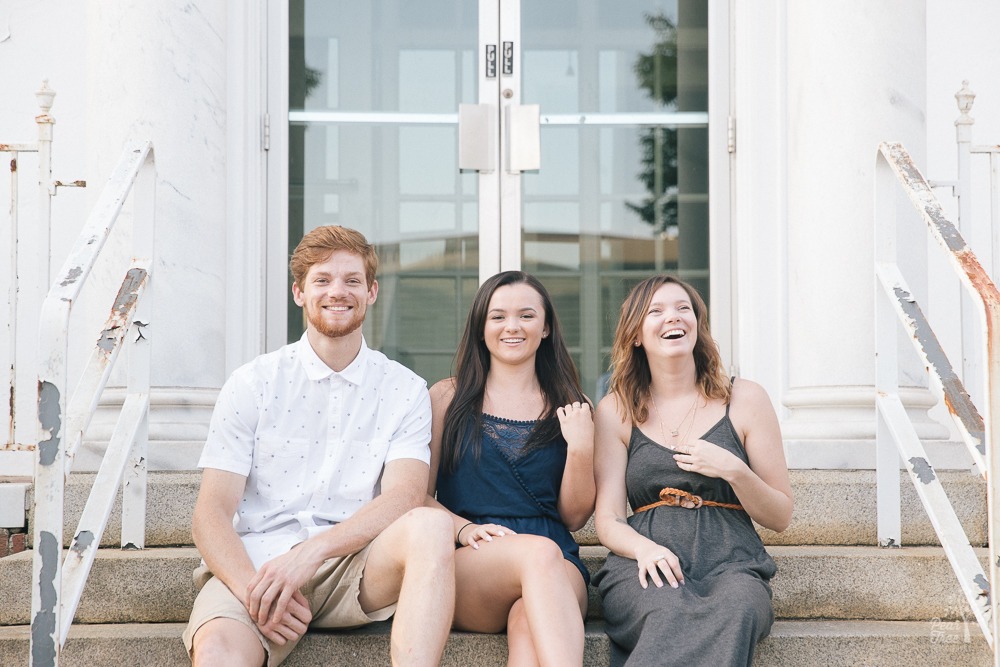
(657, 75)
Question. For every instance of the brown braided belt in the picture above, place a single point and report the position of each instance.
(672, 497)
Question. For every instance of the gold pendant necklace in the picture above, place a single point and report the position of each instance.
(675, 432)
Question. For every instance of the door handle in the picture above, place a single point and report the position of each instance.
(476, 137)
(524, 151)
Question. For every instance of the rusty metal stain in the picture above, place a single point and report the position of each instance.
(43, 624)
(69, 184)
(966, 412)
(12, 396)
(50, 417)
(13, 164)
(71, 276)
(82, 541)
(129, 291)
(124, 303)
(977, 275)
(922, 469)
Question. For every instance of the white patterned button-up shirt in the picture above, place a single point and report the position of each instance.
(312, 442)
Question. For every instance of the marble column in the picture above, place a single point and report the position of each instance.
(157, 70)
(856, 76)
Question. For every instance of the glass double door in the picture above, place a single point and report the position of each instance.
(566, 138)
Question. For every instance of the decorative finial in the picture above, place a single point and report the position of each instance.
(45, 95)
(965, 98)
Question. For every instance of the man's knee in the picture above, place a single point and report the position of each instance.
(226, 641)
(428, 527)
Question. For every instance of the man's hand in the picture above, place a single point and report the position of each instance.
(277, 583)
(291, 625)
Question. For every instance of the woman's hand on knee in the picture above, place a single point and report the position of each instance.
(654, 560)
(476, 533)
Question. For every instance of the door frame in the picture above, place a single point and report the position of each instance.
(257, 179)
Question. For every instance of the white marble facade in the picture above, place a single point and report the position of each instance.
(816, 86)
(124, 71)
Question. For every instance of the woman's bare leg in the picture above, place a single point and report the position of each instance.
(520, 644)
(529, 571)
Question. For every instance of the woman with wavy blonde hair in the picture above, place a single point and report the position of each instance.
(699, 458)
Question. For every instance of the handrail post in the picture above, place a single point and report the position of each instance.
(49, 487)
(49, 457)
(972, 369)
(10, 373)
(45, 121)
(134, 484)
(886, 363)
(963, 135)
(992, 418)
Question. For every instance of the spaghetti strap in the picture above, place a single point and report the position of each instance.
(732, 381)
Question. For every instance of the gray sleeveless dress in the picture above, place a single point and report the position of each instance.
(725, 607)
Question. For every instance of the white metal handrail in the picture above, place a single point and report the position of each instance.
(984, 238)
(18, 440)
(57, 585)
(895, 435)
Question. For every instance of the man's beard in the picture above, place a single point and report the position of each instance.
(336, 330)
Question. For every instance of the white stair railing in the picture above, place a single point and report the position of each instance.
(895, 304)
(57, 584)
(983, 238)
(25, 273)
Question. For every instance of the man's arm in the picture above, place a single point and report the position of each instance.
(225, 555)
(213, 531)
(404, 487)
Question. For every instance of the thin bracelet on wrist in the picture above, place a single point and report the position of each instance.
(458, 535)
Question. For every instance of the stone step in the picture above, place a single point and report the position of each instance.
(791, 644)
(832, 507)
(912, 584)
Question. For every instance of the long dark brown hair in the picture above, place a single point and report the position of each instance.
(630, 375)
(557, 375)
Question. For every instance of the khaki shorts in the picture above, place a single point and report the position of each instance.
(332, 594)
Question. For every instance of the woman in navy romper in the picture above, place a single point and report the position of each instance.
(512, 459)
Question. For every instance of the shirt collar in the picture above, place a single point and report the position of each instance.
(316, 369)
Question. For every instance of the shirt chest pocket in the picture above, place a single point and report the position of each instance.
(361, 470)
(279, 468)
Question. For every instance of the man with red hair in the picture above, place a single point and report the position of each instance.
(315, 472)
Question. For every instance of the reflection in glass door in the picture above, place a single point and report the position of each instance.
(622, 136)
(373, 95)
(623, 187)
